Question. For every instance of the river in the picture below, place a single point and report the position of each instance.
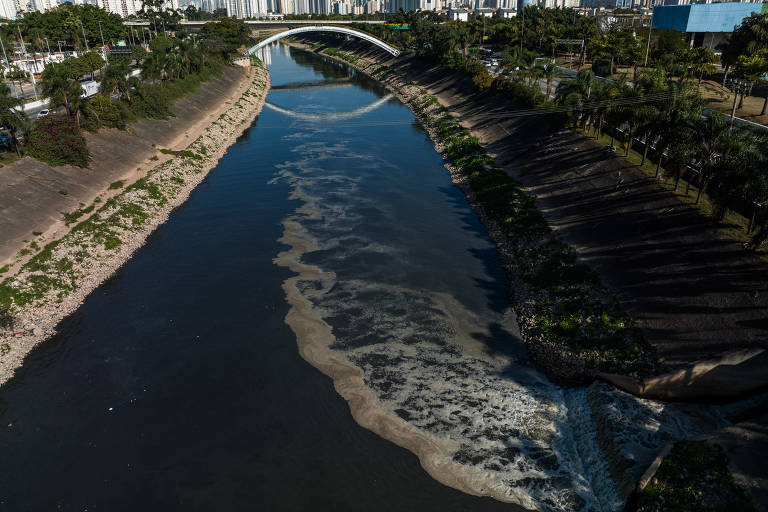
(328, 237)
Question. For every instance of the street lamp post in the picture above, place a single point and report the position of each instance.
(648, 44)
(103, 46)
(7, 63)
(26, 58)
(84, 36)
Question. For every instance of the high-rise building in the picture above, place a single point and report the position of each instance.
(246, 8)
(124, 8)
(39, 5)
(9, 8)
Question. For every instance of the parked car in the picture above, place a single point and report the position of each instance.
(5, 141)
(43, 113)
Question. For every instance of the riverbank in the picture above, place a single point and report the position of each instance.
(33, 204)
(55, 280)
(692, 292)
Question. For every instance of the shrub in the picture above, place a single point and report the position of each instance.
(56, 140)
(601, 67)
(107, 112)
(482, 80)
(6, 318)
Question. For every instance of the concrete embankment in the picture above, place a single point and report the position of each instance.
(30, 198)
(54, 281)
(700, 299)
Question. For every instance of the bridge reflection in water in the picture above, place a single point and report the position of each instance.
(330, 116)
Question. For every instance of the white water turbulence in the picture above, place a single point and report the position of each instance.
(397, 299)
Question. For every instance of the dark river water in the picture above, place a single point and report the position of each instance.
(178, 385)
(327, 257)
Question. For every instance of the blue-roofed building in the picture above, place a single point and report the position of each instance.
(706, 24)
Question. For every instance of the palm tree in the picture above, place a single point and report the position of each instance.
(740, 176)
(677, 116)
(715, 142)
(702, 60)
(576, 92)
(603, 92)
(55, 85)
(114, 78)
(550, 71)
(514, 60)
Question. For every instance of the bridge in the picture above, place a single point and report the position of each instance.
(325, 28)
(264, 24)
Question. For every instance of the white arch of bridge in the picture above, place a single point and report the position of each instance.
(325, 28)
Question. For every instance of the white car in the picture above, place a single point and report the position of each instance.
(43, 113)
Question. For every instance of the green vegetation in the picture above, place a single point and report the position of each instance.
(6, 319)
(184, 153)
(11, 120)
(71, 218)
(64, 24)
(56, 140)
(342, 55)
(176, 65)
(664, 118)
(116, 184)
(573, 309)
(694, 477)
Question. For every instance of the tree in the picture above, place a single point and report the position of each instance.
(576, 92)
(550, 71)
(226, 35)
(753, 67)
(603, 92)
(702, 60)
(750, 36)
(67, 22)
(161, 18)
(56, 84)
(715, 142)
(91, 62)
(114, 78)
(11, 118)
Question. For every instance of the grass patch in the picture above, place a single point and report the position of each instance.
(116, 185)
(694, 477)
(184, 153)
(63, 191)
(71, 218)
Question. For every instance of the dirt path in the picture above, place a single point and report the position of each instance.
(30, 201)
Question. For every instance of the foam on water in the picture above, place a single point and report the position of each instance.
(418, 367)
